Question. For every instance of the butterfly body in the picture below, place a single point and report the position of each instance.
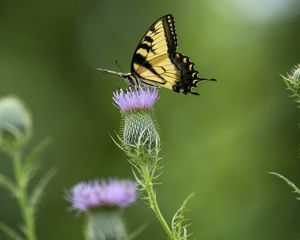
(155, 61)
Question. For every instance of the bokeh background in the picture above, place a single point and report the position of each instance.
(219, 145)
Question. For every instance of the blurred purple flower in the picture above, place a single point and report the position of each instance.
(102, 193)
(136, 98)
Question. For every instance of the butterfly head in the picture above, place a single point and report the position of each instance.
(130, 79)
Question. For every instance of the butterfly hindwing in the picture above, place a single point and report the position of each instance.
(156, 62)
(189, 75)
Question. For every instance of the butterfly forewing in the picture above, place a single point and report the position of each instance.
(155, 61)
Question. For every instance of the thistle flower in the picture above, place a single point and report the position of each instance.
(102, 201)
(136, 99)
(104, 193)
(15, 121)
(136, 105)
(293, 82)
(140, 141)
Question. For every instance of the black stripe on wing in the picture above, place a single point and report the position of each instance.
(148, 41)
(170, 33)
(139, 59)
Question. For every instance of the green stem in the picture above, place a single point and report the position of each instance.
(153, 201)
(25, 208)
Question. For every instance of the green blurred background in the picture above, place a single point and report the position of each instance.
(220, 145)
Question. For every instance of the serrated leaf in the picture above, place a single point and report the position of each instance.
(32, 156)
(179, 221)
(24, 229)
(8, 184)
(38, 190)
(116, 142)
(31, 164)
(10, 232)
(288, 182)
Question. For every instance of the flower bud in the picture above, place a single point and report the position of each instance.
(15, 122)
(293, 82)
(296, 73)
(136, 106)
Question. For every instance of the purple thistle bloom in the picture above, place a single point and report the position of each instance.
(103, 193)
(136, 98)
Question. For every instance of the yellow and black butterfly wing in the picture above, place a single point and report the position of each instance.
(156, 62)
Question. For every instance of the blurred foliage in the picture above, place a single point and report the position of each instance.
(220, 145)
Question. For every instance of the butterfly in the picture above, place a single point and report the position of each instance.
(155, 61)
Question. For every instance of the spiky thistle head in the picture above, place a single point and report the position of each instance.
(296, 72)
(293, 82)
(136, 106)
(102, 202)
(15, 122)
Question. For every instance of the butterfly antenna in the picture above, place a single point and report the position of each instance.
(119, 66)
(120, 74)
(117, 84)
(209, 79)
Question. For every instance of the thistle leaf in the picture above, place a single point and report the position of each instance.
(10, 232)
(31, 165)
(8, 184)
(288, 182)
(118, 142)
(40, 187)
(179, 226)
